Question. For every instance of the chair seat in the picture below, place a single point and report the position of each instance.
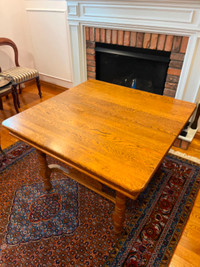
(20, 74)
(5, 90)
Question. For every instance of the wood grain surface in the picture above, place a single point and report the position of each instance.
(115, 134)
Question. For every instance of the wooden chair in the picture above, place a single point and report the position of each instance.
(6, 89)
(19, 74)
(4, 92)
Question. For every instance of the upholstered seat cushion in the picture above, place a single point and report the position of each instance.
(20, 74)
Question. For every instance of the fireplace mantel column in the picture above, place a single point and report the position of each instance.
(78, 53)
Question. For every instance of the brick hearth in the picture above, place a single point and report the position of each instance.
(175, 44)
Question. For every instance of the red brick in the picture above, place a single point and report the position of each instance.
(172, 86)
(108, 36)
(139, 39)
(177, 56)
(176, 44)
(90, 57)
(147, 40)
(172, 78)
(161, 42)
(133, 39)
(174, 71)
(114, 36)
(154, 40)
(91, 34)
(127, 38)
(176, 64)
(184, 44)
(103, 35)
(90, 44)
(91, 74)
(97, 35)
(169, 92)
(177, 142)
(90, 68)
(87, 33)
(90, 51)
(168, 43)
(91, 63)
(184, 144)
(120, 37)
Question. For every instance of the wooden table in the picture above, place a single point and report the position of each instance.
(109, 134)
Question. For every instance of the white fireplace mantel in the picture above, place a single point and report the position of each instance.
(170, 17)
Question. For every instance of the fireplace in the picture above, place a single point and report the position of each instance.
(168, 26)
(164, 59)
(138, 68)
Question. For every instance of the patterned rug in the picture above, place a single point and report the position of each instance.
(72, 226)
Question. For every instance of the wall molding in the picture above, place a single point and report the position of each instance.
(45, 10)
(138, 28)
(73, 9)
(186, 3)
(131, 14)
(138, 12)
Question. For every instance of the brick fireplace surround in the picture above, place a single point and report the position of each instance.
(175, 44)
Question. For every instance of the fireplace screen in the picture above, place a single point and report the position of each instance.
(143, 69)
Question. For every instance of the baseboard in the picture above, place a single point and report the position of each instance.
(32, 82)
(61, 88)
(56, 81)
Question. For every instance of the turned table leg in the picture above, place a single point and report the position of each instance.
(45, 171)
(119, 213)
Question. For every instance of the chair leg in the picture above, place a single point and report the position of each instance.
(17, 97)
(1, 104)
(20, 89)
(14, 94)
(38, 86)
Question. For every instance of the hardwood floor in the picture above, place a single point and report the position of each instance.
(29, 97)
(187, 252)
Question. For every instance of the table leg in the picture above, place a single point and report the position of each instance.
(119, 213)
(45, 171)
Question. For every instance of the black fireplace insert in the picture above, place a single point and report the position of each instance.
(143, 69)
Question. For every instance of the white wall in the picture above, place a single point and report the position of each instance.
(13, 25)
(50, 38)
(40, 31)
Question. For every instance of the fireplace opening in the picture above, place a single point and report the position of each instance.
(143, 69)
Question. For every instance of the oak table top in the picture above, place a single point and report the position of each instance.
(116, 135)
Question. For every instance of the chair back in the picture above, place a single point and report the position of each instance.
(6, 41)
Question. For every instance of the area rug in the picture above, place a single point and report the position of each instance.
(72, 226)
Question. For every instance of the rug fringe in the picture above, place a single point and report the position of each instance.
(184, 155)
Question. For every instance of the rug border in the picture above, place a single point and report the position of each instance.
(12, 145)
(184, 156)
(187, 159)
(15, 160)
